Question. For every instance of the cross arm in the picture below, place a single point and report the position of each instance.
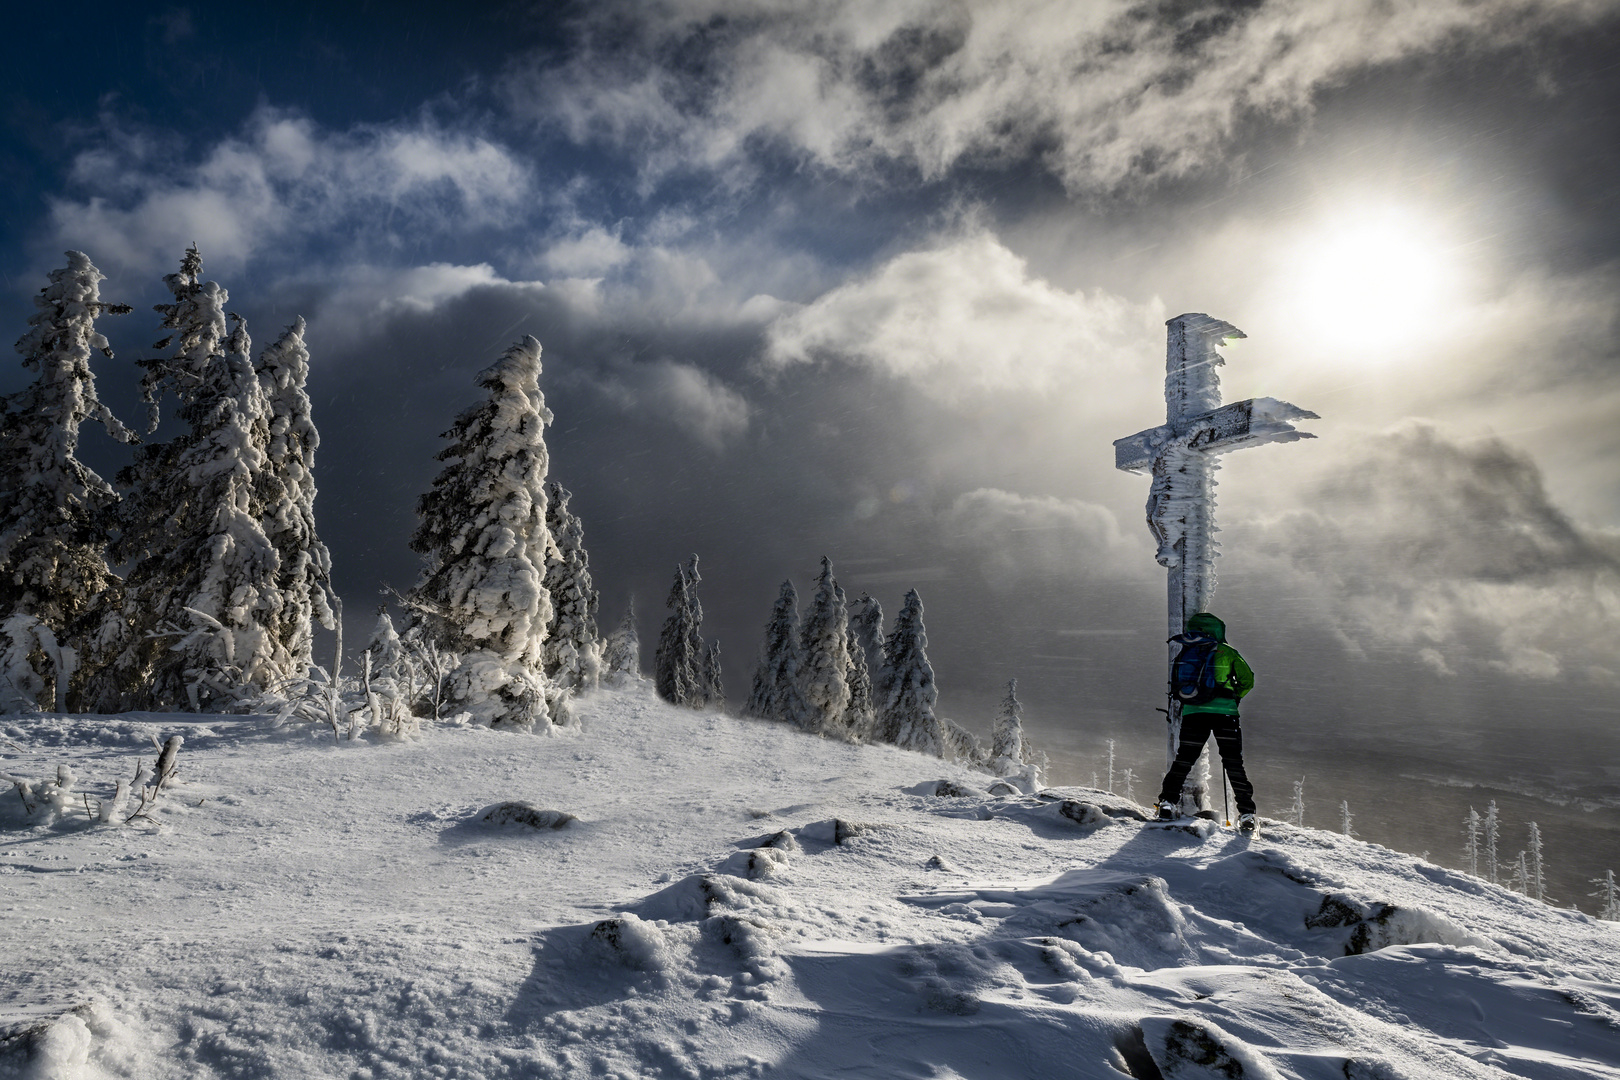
(1230, 427)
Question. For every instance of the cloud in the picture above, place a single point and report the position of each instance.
(1023, 538)
(1105, 92)
(966, 317)
(687, 397)
(1450, 552)
(282, 182)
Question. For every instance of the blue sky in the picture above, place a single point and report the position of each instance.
(883, 281)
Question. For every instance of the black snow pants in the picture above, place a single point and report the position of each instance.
(1195, 732)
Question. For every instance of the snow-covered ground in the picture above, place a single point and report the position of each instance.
(734, 899)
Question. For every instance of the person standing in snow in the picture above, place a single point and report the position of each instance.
(1216, 681)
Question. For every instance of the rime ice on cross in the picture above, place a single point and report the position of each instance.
(1183, 455)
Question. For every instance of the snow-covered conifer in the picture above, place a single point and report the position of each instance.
(1130, 785)
(622, 656)
(1608, 897)
(859, 718)
(1493, 830)
(1519, 880)
(35, 668)
(1345, 818)
(55, 512)
(866, 623)
(287, 501)
(485, 548)
(1110, 766)
(1536, 880)
(908, 718)
(775, 693)
(1298, 808)
(1471, 825)
(711, 688)
(678, 664)
(824, 664)
(1007, 733)
(572, 655)
(963, 746)
(201, 604)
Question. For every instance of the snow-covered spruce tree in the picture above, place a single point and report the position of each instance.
(1471, 825)
(621, 655)
(711, 688)
(1493, 832)
(824, 659)
(775, 694)
(678, 663)
(1608, 897)
(907, 716)
(573, 657)
(1007, 734)
(859, 718)
(1297, 809)
(55, 512)
(485, 548)
(201, 603)
(1536, 880)
(866, 626)
(1346, 818)
(286, 497)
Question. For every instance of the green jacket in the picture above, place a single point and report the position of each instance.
(1232, 672)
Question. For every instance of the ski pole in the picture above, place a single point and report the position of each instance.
(1225, 805)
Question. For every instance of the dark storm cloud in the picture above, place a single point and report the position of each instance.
(1103, 92)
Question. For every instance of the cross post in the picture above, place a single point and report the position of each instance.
(1182, 454)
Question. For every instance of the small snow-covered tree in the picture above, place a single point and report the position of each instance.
(859, 717)
(1471, 825)
(775, 694)
(866, 624)
(678, 663)
(1519, 880)
(388, 679)
(35, 668)
(572, 655)
(485, 548)
(1007, 733)
(1110, 766)
(908, 711)
(824, 663)
(622, 655)
(711, 688)
(1536, 880)
(286, 498)
(1608, 897)
(1493, 830)
(1345, 818)
(201, 604)
(56, 512)
(1130, 785)
(963, 746)
(1298, 808)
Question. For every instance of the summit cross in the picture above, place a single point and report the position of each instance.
(1183, 454)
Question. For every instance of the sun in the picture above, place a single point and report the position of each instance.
(1388, 274)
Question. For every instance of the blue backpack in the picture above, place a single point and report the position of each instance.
(1192, 672)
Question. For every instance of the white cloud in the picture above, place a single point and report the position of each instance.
(1105, 90)
(687, 397)
(966, 317)
(1449, 551)
(1038, 537)
(283, 181)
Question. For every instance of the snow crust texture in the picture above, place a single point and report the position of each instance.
(661, 892)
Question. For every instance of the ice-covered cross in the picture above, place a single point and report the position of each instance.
(1183, 455)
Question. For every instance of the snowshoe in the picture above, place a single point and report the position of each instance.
(1168, 811)
(1246, 823)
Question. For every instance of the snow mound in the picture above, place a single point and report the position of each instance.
(628, 941)
(1186, 1049)
(523, 815)
(701, 895)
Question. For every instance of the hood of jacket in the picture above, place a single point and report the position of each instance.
(1205, 623)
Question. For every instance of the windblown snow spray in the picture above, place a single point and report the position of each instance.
(1182, 454)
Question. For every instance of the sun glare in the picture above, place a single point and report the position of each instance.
(1390, 274)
